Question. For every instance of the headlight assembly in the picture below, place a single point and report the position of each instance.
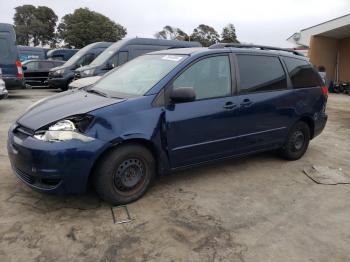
(88, 72)
(63, 130)
(58, 72)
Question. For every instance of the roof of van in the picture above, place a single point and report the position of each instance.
(59, 50)
(99, 44)
(5, 27)
(31, 48)
(159, 42)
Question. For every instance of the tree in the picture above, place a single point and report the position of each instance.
(205, 34)
(171, 33)
(229, 34)
(34, 24)
(84, 27)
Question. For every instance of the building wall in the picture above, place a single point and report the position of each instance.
(344, 60)
(323, 51)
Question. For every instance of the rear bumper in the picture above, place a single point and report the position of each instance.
(12, 83)
(320, 124)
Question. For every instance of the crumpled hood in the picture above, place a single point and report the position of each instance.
(63, 105)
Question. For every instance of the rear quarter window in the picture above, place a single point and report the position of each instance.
(301, 73)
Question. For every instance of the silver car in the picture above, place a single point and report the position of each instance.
(3, 90)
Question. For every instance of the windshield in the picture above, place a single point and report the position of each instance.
(74, 59)
(138, 76)
(108, 53)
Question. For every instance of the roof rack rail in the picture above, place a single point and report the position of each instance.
(261, 47)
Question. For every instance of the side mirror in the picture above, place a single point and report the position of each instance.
(183, 94)
(109, 66)
(24, 67)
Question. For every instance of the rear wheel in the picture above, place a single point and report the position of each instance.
(124, 174)
(297, 141)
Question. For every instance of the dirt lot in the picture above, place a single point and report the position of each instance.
(259, 208)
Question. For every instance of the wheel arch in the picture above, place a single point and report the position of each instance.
(140, 141)
(310, 122)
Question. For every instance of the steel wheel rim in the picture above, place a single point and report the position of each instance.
(298, 140)
(129, 176)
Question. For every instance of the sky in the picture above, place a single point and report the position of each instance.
(266, 22)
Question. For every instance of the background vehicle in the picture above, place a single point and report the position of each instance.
(36, 72)
(63, 54)
(28, 53)
(125, 50)
(165, 111)
(60, 77)
(10, 65)
(3, 90)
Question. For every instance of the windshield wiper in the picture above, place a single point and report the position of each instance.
(96, 92)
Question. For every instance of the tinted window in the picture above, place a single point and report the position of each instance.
(123, 57)
(210, 77)
(88, 59)
(113, 61)
(57, 63)
(45, 65)
(32, 66)
(260, 73)
(301, 73)
(118, 59)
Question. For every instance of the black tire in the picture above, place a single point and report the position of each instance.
(65, 88)
(124, 174)
(297, 142)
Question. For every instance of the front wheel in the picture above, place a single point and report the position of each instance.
(297, 142)
(124, 174)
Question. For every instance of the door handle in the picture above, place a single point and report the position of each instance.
(230, 105)
(246, 103)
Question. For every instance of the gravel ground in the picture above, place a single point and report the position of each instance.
(259, 208)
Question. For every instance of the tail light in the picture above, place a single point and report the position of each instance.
(325, 91)
(19, 68)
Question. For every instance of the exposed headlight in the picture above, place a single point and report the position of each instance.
(62, 131)
(88, 72)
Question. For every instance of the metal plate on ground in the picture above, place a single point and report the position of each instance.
(121, 215)
(327, 175)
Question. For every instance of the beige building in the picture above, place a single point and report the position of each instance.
(329, 45)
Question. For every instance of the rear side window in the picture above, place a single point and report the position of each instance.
(301, 73)
(260, 74)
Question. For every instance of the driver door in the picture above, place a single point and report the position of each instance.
(199, 131)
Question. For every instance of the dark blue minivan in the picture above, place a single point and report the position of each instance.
(165, 111)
